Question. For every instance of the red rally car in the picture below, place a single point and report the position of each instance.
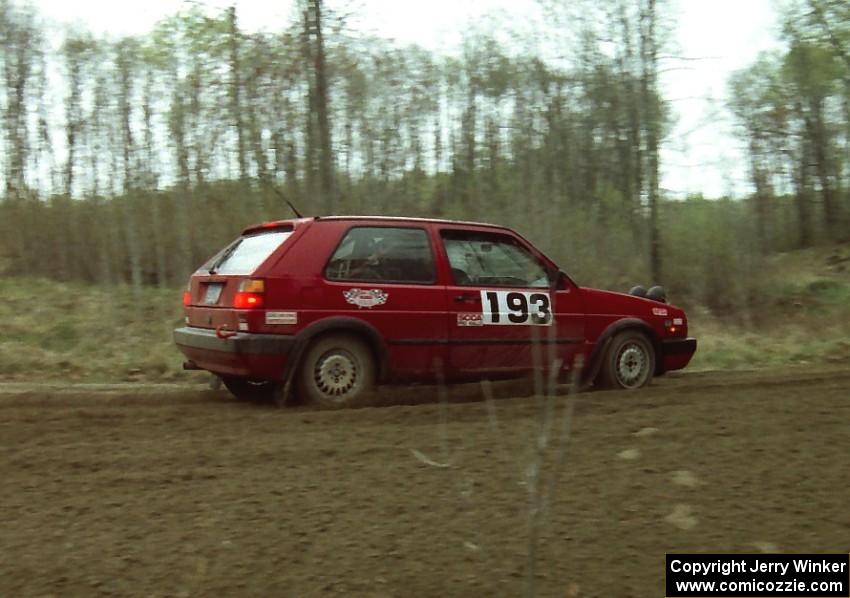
(330, 306)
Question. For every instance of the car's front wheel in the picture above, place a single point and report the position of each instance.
(337, 370)
(629, 362)
(251, 390)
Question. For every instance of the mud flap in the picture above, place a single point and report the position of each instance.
(596, 359)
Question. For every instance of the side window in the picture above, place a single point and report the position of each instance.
(383, 254)
(491, 259)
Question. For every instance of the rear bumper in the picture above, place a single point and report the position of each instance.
(250, 355)
(243, 342)
(676, 353)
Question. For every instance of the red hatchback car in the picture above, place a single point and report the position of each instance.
(330, 306)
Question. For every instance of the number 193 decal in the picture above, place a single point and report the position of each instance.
(516, 308)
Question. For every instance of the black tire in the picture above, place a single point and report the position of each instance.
(336, 371)
(629, 362)
(245, 389)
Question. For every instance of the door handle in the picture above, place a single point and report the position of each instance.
(466, 298)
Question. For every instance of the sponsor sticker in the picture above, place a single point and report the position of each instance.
(470, 319)
(659, 311)
(367, 298)
(282, 317)
(678, 321)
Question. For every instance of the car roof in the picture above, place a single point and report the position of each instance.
(294, 222)
(409, 219)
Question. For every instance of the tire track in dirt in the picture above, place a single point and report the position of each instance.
(685, 383)
(179, 490)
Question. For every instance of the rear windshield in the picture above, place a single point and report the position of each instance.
(246, 254)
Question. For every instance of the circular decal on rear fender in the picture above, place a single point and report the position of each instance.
(365, 297)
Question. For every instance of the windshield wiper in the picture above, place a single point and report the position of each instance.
(227, 253)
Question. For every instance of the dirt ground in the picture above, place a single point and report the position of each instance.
(183, 491)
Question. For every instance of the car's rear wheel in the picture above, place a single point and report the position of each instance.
(336, 371)
(251, 390)
(629, 362)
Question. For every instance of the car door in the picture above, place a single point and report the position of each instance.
(387, 276)
(505, 314)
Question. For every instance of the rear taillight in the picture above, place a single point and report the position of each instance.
(250, 294)
(187, 298)
(244, 300)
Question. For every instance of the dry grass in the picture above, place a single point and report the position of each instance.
(64, 331)
(796, 342)
(801, 316)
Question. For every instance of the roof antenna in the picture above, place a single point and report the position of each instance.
(280, 195)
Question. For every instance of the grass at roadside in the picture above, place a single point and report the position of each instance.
(795, 342)
(801, 316)
(75, 332)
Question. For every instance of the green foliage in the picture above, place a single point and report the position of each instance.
(813, 69)
(712, 259)
(708, 244)
(793, 108)
(72, 331)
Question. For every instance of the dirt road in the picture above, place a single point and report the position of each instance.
(181, 491)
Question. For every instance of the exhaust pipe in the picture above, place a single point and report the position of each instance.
(190, 365)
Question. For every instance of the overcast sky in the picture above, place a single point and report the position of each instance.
(701, 155)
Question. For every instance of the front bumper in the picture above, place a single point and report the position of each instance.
(246, 354)
(676, 353)
(678, 346)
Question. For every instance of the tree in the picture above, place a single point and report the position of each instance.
(21, 41)
(759, 103)
(651, 102)
(319, 100)
(234, 38)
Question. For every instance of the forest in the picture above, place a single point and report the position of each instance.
(127, 161)
(130, 160)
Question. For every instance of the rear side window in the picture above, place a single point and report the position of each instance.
(247, 253)
(383, 254)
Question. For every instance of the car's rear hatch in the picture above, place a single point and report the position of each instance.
(221, 291)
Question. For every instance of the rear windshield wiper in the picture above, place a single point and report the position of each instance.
(227, 253)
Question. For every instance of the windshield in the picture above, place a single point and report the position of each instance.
(246, 254)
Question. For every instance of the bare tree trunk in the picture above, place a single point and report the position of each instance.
(236, 90)
(326, 161)
(817, 133)
(125, 92)
(653, 125)
(181, 195)
(802, 199)
(842, 51)
(311, 149)
(151, 183)
(20, 49)
(633, 160)
(100, 134)
(761, 198)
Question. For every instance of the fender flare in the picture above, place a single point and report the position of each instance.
(303, 338)
(601, 346)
